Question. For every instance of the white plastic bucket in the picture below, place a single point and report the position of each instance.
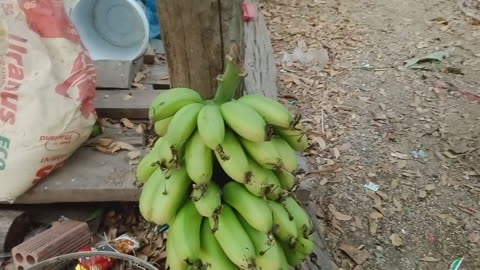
(110, 29)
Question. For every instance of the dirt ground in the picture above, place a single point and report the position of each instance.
(413, 131)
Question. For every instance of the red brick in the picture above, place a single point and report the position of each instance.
(63, 237)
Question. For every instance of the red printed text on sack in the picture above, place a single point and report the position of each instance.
(45, 171)
(57, 142)
(15, 55)
(54, 158)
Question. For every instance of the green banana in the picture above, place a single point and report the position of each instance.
(287, 180)
(148, 164)
(294, 137)
(287, 155)
(244, 120)
(169, 102)
(207, 199)
(198, 160)
(251, 208)
(258, 180)
(173, 262)
(211, 252)
(233, 239)
(168, 156)
(272, 111)
(295, 258)
(270, 255)
(275, 189)
(148, 194)
(183, 123)
(264, 183)
(300, 216)
(170, 194)
(211, 126)
(233, 159)
(304, 246)
(146, 167)
(185, 233)
(264, 153)
(161, 126)
(284, 226)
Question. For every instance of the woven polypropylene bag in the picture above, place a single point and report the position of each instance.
(47, 88)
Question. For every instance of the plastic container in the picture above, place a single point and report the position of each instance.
(111, 30)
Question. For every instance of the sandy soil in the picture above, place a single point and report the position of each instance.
(413, 131)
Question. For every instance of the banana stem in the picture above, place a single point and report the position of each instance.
(229, 82)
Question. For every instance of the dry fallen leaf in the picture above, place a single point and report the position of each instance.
(449, 155)
(449, 219)
(364, 99)
(104, 141)
(336, 152)
(429, 259)
(122, 146)
(127, 123)
(474, 237)
(344, 147)
(106, 122)
(377, 201)
(401, 164)
(383, 195)
(376, 215)
(396, 240)
(358, 255)
(320, 141)
(394, 183)
(358, 222)
(134, 154)
(140, 128)
(338, 215)
(324, 181)
(373, 227)
(139, 76)
(400, 155)
(138, 85)
(397, 203)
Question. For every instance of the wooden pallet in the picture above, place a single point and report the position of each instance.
(90, 175)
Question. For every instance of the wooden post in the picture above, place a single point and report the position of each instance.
(198, 34)
(191, 31)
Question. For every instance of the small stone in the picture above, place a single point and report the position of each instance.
(429, 187)
(380, 248)
(422, 194)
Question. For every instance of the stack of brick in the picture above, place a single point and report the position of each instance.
(63, 237)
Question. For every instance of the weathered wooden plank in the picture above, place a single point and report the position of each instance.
(149, 56)
(259, 58)
(157, 76)
(129, 136)
(191, 33)
(87, 176)
(132, 104)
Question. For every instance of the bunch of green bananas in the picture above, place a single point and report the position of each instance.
(250, 220)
